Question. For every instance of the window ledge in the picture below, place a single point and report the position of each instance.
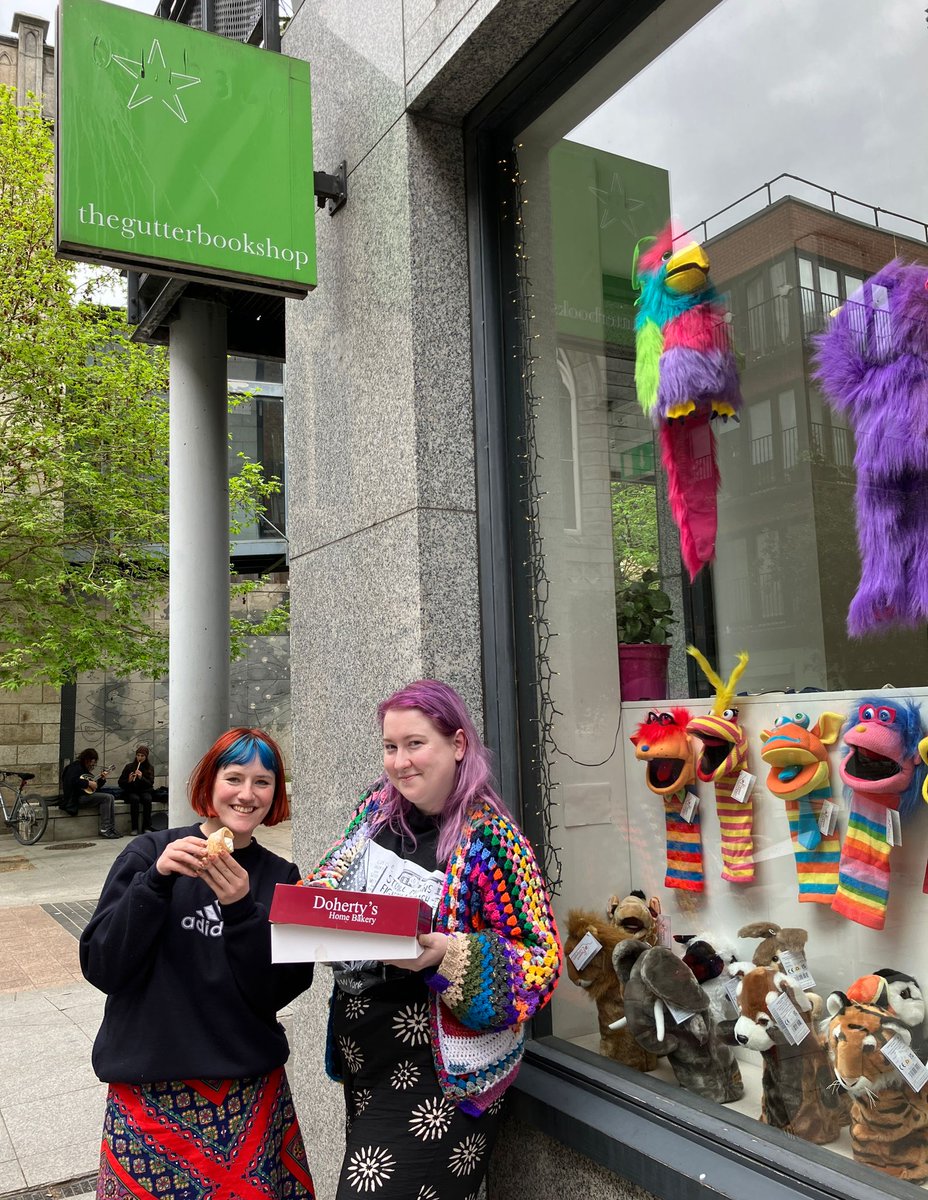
(674, 1144)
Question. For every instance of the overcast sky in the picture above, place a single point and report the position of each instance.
(46, 9)
(833, 90)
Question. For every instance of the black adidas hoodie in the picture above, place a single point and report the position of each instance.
(190, 986)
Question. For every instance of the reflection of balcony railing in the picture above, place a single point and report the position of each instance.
(769, 327)
(816, 308)
(773, 456)
(832, 444)
(755, 599)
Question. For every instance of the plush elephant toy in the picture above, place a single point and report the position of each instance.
(667, 1013)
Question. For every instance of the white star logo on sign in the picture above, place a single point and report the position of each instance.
(153, 84)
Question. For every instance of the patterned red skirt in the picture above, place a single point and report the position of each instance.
(194, 1138)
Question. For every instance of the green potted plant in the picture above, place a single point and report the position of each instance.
(643, 615)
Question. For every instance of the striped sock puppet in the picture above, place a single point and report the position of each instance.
(724, 756)
(797, 753)
(662, 742)
(880, 772)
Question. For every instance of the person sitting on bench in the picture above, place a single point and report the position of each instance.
(137, 782)
(82, 787)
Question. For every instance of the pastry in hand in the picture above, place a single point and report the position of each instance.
(218, 843)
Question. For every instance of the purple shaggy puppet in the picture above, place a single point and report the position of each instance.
(872, 364)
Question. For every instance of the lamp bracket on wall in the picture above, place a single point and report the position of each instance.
(332, 190)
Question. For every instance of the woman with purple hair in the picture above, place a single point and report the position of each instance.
(426, 1048)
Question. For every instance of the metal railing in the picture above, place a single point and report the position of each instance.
(767, 189)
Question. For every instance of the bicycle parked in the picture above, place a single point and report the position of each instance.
(26, 816)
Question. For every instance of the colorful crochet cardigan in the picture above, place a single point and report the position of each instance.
(503, 958)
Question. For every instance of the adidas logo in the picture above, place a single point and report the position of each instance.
(207, 921)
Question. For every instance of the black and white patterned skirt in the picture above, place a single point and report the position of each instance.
(403, 1139)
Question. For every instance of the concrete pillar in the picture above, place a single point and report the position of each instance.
(198, 689)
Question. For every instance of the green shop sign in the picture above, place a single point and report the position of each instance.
(182, 153)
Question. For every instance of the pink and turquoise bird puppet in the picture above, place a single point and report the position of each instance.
(685, 375)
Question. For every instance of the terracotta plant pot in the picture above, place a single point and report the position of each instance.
(643, 671)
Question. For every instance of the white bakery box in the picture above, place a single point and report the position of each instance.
(320, 924)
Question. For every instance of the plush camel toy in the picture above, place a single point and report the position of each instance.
(598, 980)
(636, 917)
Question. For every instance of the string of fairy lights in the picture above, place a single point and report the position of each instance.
(530, 459)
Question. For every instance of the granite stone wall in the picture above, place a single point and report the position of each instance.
(382, 515)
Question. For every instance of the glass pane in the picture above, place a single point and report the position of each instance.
(626, 490)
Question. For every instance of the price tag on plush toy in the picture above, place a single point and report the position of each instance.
(893, 827)
(744, 786)
(588, 947)
(789, 1019)
(731, 991)
(662, 925)
(794, 964)
(906, 1062)
(679, 1014)
(828, 818)
(690, 808)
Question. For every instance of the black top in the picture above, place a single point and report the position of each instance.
(425, 831)
(394, 982)
(145, 784)
(190, 986)
(73, 786)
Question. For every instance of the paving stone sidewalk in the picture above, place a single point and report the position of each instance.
(51, 1103)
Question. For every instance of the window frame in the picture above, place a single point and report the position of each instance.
(672, 1143)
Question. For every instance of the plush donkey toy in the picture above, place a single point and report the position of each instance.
(662, 742)
(724, 756)
(774, 940)
(657, 986)
(800, 774)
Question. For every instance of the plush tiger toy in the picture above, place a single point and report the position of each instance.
(889, 1122)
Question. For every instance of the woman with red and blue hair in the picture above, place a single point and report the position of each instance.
(190, 1044)
(427, 1047)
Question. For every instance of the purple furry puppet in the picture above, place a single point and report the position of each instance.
(872, 364)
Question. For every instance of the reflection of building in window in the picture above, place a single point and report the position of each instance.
(787, 470)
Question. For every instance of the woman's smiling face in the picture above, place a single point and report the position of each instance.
(242, 797)
(420, 761)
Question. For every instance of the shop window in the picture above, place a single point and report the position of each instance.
(628, 149)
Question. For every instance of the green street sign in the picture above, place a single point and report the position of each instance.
(182, 153)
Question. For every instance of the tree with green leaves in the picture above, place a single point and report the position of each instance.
(83, 450)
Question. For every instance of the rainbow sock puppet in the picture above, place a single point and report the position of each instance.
(663, 743)
(879, 771)
(724, 756)
(797, 753)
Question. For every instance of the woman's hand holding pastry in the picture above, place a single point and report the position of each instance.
(227, 878)
(434, 947)
(182, 857)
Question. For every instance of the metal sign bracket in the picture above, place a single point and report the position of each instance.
(332, 190)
